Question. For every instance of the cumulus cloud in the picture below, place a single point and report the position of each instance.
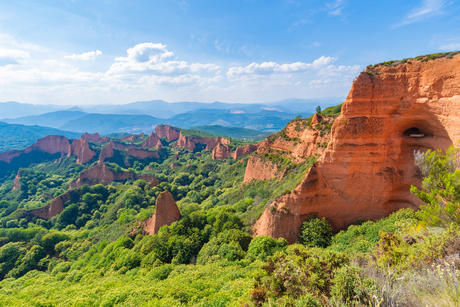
(87, 56)
(267, 68)
(11, 57)
(149, 58)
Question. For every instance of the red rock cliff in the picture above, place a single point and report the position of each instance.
(167, 132)
(91, 137)
(368, 167)
(220, 152)
(166, 213)
(50, 144)
(81, 149)
(152, 142)
(53, 208)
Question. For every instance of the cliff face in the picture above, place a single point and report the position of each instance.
(166, 213)
(91, 137)
(167, 132)
(106, 152)
(81, 149)
(220, 152)
(142, 154)
(152, 142)
(53, 208)
(189, 143)
(299, 140)
(104, 140)
(16, 184)
(101, 174)
(244, 150)
(368, 166)
(50, 144)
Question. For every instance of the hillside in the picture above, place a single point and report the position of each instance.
(21, 136)
(52, 119)
(109, 123)
(233, 132)
(356, 205)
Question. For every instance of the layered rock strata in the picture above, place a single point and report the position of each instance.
(368, 166)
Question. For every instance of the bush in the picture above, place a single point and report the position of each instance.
(263, 246)
(315, 232)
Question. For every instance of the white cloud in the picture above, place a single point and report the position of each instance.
(335, 8)
(450, 47)
(149, 58)
(11, 57)
(87, 56)
(267, 68)
(426, 9)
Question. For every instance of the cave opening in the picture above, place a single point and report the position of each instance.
(415, 132)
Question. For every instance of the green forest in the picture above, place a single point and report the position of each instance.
(95, 252)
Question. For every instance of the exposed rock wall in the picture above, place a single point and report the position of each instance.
(167, 132)
(53, 208)
(101, 174)
(185, 143)
(81, 149)
(299, 141)
(220, 152)
(244, 150)
(91, 137)
(16, 184)
(153, 141)
(166, 213)
(104, 140)
(142, 154)
(368, 166)
(106, 152)
(189, 143)
(9, 155)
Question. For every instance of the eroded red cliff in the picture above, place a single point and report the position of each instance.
(153, 141)
(81, 149)
(168, 132)
(368, 166)
(166, 213)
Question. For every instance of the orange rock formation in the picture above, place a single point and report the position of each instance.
(91, 137)
(220, 152)
(104, 140)
(368, 167)
(82, 150)
(166, 213)
(153, 141)
(189, 143)
(101, 174)
(53, 208)
(142, 154)
(168, 132)
(16, 184)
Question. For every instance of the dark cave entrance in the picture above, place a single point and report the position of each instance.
(415, 132)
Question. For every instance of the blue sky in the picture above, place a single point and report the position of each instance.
(95, 52)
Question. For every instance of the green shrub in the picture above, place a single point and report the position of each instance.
(315, 232)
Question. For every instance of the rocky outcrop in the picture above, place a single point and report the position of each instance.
(189, 142)
(166, 213)
(260, 169)
(104, 140)
(53, 208)
(220, 152)
(101, 174)
(130, 138)
(368, 166)
(153, 141)
(185, 142)
(244, 151)
(142, 154)
(9, 155)
(299, 140)
(168, 132)
(16, 184)
(81, 149)
(316, 118)
(91, 137)
(106, 152)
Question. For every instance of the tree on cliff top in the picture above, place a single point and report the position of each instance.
(318, 110)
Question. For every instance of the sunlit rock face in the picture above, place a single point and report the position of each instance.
(368, 166)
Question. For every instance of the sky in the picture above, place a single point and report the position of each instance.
(71, 52)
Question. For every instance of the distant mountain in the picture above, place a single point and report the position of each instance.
(109, 123)
(20, 136)
(52, 119)
(301, 106)
(13, 109)
(233, 132)
(268, 121)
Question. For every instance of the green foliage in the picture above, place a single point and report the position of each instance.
(262, 247)
(315, 232)
(441, 186)
(318, 110)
